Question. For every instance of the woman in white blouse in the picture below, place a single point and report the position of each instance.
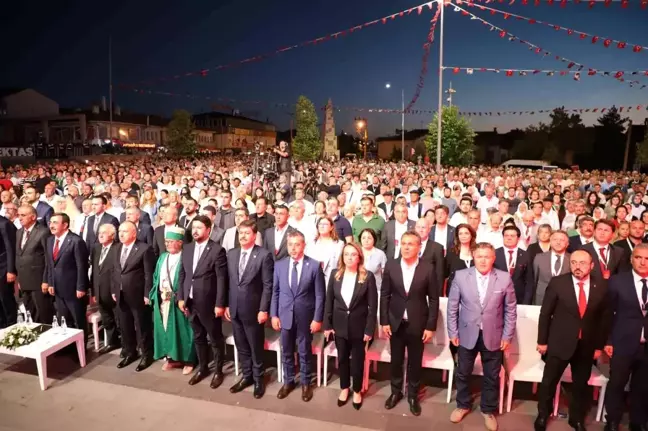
(327, 247)
(350, 315)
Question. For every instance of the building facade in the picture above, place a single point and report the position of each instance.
(233, 132)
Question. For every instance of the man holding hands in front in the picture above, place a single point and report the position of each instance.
(482, 312)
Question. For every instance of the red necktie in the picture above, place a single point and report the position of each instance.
(511, 263)
(56, 249)
(582, 303)
(603, 260)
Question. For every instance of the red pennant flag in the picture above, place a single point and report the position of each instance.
(563, 3)
(621, 45)
(550, 2)
(502, 33)
(570, 65)
(525, 2)
(636, 48)
(576, 76)
(644, 3)
(420, 10)
(563, 72)
(455, 70)
(493, 12)
(618, 75)
(464, 13)
(570, 32)
(401, 14)
(591, 4)
(532, 21)
(204, 72)
(595, 39)
(384, 20)
(507, 16)
(591, 72)
(556, 27)
(607, 3)
(624, 3)
(583, 36)
(536, 2)
(538, 50)
(509, 73)
(607, 42)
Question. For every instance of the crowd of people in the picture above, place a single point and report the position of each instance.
(169, 250)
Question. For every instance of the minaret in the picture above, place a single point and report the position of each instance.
(330, 138)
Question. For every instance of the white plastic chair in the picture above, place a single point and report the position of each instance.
(379, 351)
(330, 350)
(597, 379)
(94, 319)
(317, 347)
(522, 361)
(228, 334)
(272, 342)
(437, 354)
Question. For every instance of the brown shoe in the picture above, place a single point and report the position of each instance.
(307, 393)
(490, 421)
(457, 415)
(285, 390)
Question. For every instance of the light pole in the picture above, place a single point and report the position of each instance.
(388, 86)
(441, 4)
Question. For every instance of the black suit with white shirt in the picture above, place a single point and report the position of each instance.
(520, 270)
(432, 252)
(615, 259)
(278, 249)
(102, 264)
(31, 274)
(89, 227)
(626, 294)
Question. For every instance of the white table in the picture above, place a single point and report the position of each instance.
(47, 343)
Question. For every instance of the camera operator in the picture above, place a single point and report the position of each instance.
(284, 159)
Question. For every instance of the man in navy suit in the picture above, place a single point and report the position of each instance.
(515, 261)
(441, 232)
(67, 272)
(133, 201)
(250, 270)
(99, 217)
(8, 314)
(144, 231)
(626, 346)
(297, 309)
(43, 211)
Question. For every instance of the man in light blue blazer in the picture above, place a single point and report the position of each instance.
(297, 310)
(481, 320)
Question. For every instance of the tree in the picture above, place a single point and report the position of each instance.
(641, 158)
(180, 134)
(568, 134)
(396, 154)
(531, 147)
(457, 138)
(307, 145)
(609, 135)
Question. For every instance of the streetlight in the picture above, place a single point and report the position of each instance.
(361, 128)
(388, 86)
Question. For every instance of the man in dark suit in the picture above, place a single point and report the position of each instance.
(169, 219)
(132, 201)
(409, 306)
(297, 310)
(102, 261)
(99, 217)
(250, 270)
(515, 261)
(275, 239)
(626, 346)
(191, 211)
(441, 231)
(133, 267)
(144, 231)
(637, 232)
(608, 259)
(217, 233)
(586, 232)
(388, 203)
(67, 272)
(261, 217)
(203, 295)
(431, 252)
(394, 230)
(31, 245)
(572, 330)
(548, 265)
(43, 211)
(8, 314)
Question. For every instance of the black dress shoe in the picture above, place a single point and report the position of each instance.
(109, 348)
(127, 361)
(144, 363)
(540, 423)
(259, 389)
(342, 403)
(198, 376)
(393, 400)
(415, 406)
(357, 406)
(241, 385)
(307, 393)
(217, 380)
(285, 390)
(577, 425)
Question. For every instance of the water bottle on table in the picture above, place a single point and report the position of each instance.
(63, 325)
(28, 318)
(55, 325)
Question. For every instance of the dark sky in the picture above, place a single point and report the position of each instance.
(62, 52)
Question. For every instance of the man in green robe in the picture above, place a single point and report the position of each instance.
(172, 333)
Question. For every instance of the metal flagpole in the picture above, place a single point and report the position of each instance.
(402, 124)
(438, 163)
(110, 87)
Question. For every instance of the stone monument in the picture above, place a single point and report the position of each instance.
(330, 138)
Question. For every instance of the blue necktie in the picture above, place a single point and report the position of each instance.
(294, 277)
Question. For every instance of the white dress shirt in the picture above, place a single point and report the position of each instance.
(61, 240)
(408, 276)
(26, 234)
(278, 237)
(198, 251)
(638, 287)
(606, 252)
(511, 260)
(348, 286)
(300, 266)
(586, 287)
(399, 230)
(441, 235)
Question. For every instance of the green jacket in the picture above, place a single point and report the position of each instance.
(376, 223)
(177, 342)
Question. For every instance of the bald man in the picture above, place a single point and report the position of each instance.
(573, 329)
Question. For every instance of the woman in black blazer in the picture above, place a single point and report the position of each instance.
(350, 315)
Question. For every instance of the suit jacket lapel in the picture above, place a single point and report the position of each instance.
(492, 279)
(572, 296)
(236, 260)
(202, 256)
(19, 240)
(356, 291)
(306, 267)
(62, 247)
(131, 254)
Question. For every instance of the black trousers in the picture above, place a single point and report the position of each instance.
(109, 319)
(400, 340)
(136, 324)
(8, 305)
(249, 338)
(351, 360)
(74, 311)
(40, 305)
(492, 364)
(621, 367)
(581, 368)
(208, 330)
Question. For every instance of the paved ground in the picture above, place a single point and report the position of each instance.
(101, 397)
